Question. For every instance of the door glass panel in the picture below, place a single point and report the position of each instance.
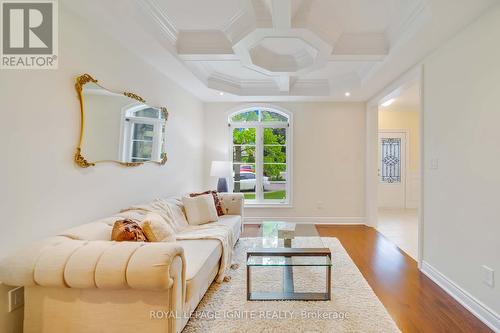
(148, 113)
(274, 181)
(274, 154)
(390, 168)
(244, 154)
(143, 132)
(246, 116)
(244, 136)
(274, 136)
(244, 179)
(141, 151)
(273, 116)
(247, 190)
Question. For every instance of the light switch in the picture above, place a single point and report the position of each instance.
(434, 164)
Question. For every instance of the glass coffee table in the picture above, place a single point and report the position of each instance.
(288, 246)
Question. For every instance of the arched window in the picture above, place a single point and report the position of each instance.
(143, 134)
(260, 141)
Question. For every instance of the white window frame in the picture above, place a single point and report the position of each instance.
(259, 147)
(127, 132)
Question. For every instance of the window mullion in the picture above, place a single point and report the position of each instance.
(259, 153)
(156, 142)
(288, 188)
(130, 142)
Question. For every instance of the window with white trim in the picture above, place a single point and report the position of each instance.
(143, 134)
(260, 141)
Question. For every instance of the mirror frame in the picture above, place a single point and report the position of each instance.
(81, 161)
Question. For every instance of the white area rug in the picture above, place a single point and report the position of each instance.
(354, 306)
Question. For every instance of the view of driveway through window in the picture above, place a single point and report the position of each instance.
(273, 155)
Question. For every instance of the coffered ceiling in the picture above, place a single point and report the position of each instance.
(283, 49)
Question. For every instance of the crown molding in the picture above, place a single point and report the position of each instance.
(164, 22)
(240, 25)
(417, 13)
(267, 87)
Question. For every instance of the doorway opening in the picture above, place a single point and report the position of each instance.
(398, 167)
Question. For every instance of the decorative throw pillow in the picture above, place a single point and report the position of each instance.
(156, 229)
(217, 202)
(127, 230)
(200, 209)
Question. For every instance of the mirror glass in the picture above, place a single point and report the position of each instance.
(121, 128)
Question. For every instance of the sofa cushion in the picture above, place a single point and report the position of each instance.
(217, 202)
(200, 209)
(176, 212)
(156, 229)
(202, 256)
(232, 221)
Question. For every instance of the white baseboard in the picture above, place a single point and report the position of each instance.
(478, 309)
(315, 220)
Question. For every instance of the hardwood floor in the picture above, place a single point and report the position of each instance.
(415, 302)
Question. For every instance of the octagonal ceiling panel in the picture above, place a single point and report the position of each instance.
(283, 54)
(280, 42)
(276, 49)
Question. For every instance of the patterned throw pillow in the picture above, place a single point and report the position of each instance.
(218, 203)
(127, 230)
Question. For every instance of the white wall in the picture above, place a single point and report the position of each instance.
(328, 160)
(462, 131)
(42, 191)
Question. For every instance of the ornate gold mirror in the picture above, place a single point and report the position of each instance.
(118, 127)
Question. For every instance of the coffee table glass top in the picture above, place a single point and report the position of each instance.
(288, 261)
(305, 235)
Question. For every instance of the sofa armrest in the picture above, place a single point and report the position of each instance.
(95, 264)
(233, 203)
(150, 266)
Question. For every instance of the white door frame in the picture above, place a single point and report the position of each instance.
(371, 184)
(407, 156)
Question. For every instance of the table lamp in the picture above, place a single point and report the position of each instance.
(223, 170)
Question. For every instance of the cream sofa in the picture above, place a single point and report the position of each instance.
(83, 282)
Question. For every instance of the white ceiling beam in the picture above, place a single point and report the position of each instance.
(361, 44)
(209, 57)
(283, 82)
(357, 57)
(199, 43)
(240, 24)
(281, 12)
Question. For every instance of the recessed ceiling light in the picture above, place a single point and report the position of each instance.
(221, 93)
(347, 94)
(388, 102)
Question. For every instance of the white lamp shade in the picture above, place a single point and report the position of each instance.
(221, 169)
